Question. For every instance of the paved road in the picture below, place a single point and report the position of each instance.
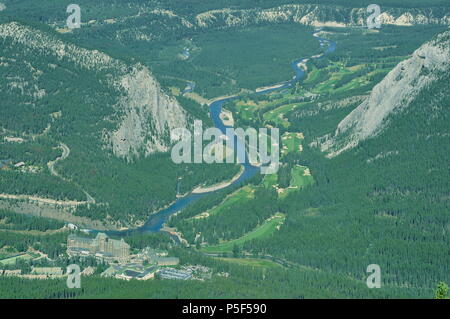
(64, 155)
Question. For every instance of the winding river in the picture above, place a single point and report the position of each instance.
(156, 221)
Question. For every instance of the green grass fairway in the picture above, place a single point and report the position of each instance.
(12, 260)
(277, 114)
(246, 110)
(259, 232)
(338, 78)
(270, 180)
(291, 142)
(299, 179)
(241, 195)
(253, 262)
(315, 76)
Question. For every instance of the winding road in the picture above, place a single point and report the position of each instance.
(51, 167)
(52, 170)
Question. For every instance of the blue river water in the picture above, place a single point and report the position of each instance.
(157, 220)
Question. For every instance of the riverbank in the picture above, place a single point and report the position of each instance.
(221, 185)
(227, 117)
(271, 87)
(159, 219)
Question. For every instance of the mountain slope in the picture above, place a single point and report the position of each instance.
(113, 116)
(385, 201)
(318, 15)
(143, 114)
(395, 92)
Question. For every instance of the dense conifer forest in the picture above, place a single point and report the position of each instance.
(308, 231)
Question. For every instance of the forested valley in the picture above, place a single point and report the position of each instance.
(308, 231)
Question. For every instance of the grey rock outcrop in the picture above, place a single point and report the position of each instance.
(392, 94)
(318, 15)
(149, 115)
(144, 114)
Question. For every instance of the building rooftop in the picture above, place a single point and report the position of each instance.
(100, 246)
(132, 273)
(172, 273)
(110, 271)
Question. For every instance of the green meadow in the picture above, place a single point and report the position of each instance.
(245, 193)
(260, 232)
(12, 260)
(291, 142)
(301, 176)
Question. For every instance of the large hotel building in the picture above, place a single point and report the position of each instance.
(101, 246)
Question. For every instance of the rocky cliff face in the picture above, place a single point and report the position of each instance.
(148, 116)
(392, 94)
(143, 114)
(318, 15)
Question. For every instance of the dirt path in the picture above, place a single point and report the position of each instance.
(44, 200)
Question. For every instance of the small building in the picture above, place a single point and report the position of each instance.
(129, 271)
(47, 271)
(103, 255)
(148, 273)
(167, 261)
(16, 272)
(78, 251)
(4, 164)
(128, 275)
(122, 276)
(158, 257)
(172, 273)
(111, 271)
(10, 138)
(20, 164)
(72, 226)
(88, 271)
(186, 54)
(150, 252)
